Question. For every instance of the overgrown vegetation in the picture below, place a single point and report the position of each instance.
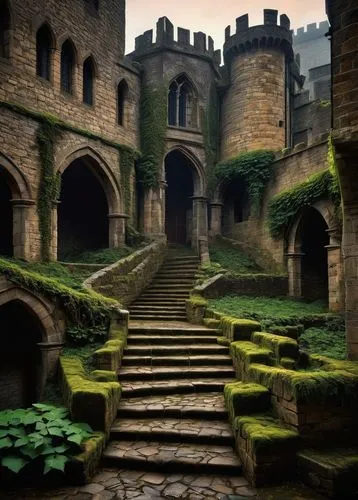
(330, 343)
(253, 167)
(127, 159)
(153, 125)
(209, 122)
(103, 256)
(42, 436)
(284, 206)
(232, 259)
(83, 349)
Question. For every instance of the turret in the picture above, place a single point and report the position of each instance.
(256, 105)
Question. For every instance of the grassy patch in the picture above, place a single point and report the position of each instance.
(324, 342)
(232, 259)
(265, 308)
(85, 354)
(103, 256)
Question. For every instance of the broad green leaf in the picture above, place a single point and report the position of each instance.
(16, 432)
(47, 450)
(75, 438)
(55, 431)
(40, 425)
(83, 426)
(61, 448)
(29, 451)
(14, 463)
(5, 443)
(55, 462)
(30, 418)
(42, 407)
(23, 441)
(4, 433)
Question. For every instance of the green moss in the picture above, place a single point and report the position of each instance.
(330, 343)
(127, 159)
(266, 434)
(211, 322)
(288, 363)
(210, 129)
(284, 206)
(197, 300)
(281, 346)
(247, 353)
(104, 376)
(238, 329)
(232, 259)
(286, 331)
(223, 341)
(253, 167)
(245, 398)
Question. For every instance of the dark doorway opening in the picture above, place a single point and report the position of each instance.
(178, 207)
(6, 218)
(236, 207)
(314, 238)
(83, 211)
(20, 356)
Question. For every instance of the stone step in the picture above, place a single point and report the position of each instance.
(173, 279)
(177, 429)
(134, 389)
(170, 286)
(185, 258)
(176, 272)
(169, 294)
(167, 456)
(171, 339)
(177, 350)
(174, 372)
(186, 329)
(158, 317)
(159, 303)
(194, 360)
(139, 307)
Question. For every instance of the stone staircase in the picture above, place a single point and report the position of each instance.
(164, 299)
(172, 416)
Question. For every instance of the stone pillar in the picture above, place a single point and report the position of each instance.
(154, 211)
(294, 268)
(117, 230)
(50, 352)
(335, 272)
(199, 221)
(216, 218)
(21, 228)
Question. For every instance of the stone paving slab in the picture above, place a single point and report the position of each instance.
(207, 401)
(178, 360)
(137, 388)
(175, 456)
(184, 430)
(149, 325)
(177, 349)
(173, 372)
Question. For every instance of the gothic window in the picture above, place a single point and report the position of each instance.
(122, 97)
(67, 66)
(44, 47)
(182, 104)
(88, 80)
(5, 25)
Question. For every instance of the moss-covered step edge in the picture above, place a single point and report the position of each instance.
(244, 353)
(88, 400)
(281, 346)
(245, 399)
(195, 309)
(109, 356)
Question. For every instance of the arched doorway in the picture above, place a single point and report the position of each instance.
(6, 217)
(179, 174)
(20, 356)
(83, 210)
(312, 239)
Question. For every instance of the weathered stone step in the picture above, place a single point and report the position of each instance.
(158, 317)
(134, 389)
(139, 307)
(188, 329)
(170, 286)
(171, 339)
(159, 303)
(193, 360)
(180, 429)
(173, 279)
(153, 455)
(174, 372)
(176, 272)
(170, 293)
(185, 258)
(177, 350)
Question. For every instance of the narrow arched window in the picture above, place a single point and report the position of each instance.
(67, 66)
(122, 97)
(5, 26)
(88, 80)
(43, 52)
(182, 103)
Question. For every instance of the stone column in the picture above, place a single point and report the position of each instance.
(294, 268)
(216, 218)
(200, 220)
(117, 230)
(154, 211)
(21, 228)
(50, 352)
(335, 271)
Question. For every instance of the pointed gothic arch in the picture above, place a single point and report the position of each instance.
(182, 103)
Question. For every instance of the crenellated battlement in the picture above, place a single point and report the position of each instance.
(311, 32)
(203, 44)
(273, 33)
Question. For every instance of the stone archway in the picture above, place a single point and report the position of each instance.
(30, 346)
(185, 203)
(314, 256)
(15, 201)
(89, 213)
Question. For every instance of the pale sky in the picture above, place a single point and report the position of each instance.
(212, 16)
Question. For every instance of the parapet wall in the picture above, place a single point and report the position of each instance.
(203, 44)
(311, 32)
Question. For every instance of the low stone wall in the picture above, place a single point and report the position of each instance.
(128, 277)
(264, 285)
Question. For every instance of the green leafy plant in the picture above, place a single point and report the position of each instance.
(253, 167)
(43, 435)
(82, 335)
(127, 159)
(153, 125)
(325, 342)
(284, 206)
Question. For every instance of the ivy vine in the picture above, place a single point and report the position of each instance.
(253, 167)
(284, 206)
(153, 126)
(127, 159)
(210, 129)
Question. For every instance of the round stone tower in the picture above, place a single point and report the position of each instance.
(256, 104)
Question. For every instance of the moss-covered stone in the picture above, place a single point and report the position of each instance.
(245, 399)
(280, 346)
(288, 363)
(104, 376)
(238, 329)
(109, 357)
(196, 309)
(80, 469)
(223, 341)
(211, 322)
(287, 331)
(245, 353)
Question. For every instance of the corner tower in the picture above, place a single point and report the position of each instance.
(256, 104)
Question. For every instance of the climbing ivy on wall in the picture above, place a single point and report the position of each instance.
(284, 206)
(254, 167)
(49, 186)
(210, 129)
(153, 126)
(127, 168)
